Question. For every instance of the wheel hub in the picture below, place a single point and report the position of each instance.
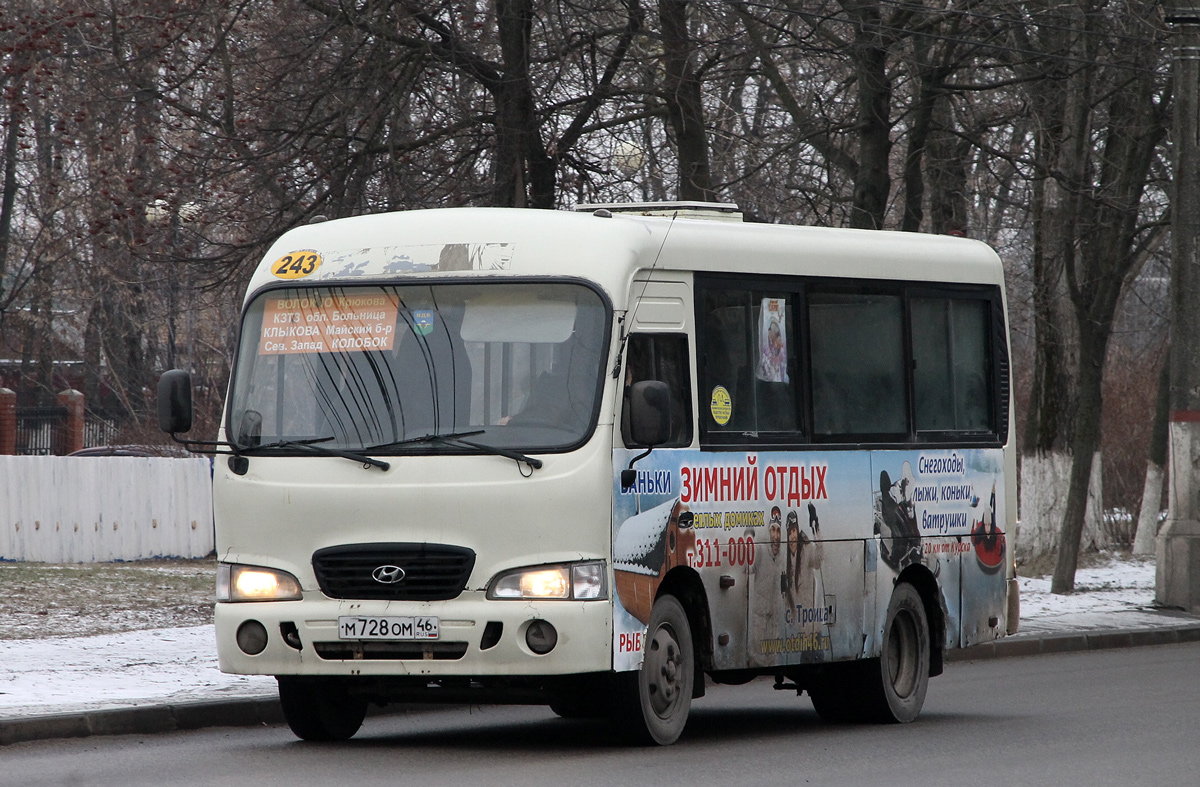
(902, 661)
(664, 672)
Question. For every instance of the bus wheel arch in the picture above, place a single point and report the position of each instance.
(651, 705)
(684, 584)
(922, 579)
(890, 687)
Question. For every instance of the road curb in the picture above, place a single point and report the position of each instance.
(254, 711)
(1077, 641)
(143, 719)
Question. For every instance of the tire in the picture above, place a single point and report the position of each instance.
(652, 704)
(320, 710)
(837, 692)
(581, 697)
(903, 664)
(889, 689)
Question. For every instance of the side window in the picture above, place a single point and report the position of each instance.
(748, 385)
(857, 348)
(951, 381)
(661, 356)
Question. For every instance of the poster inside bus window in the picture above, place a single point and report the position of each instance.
(317, 323)
(772, 341)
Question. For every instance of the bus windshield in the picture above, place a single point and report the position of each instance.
(381, 368)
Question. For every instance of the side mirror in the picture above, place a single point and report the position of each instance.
(650, 413)
(175, 401)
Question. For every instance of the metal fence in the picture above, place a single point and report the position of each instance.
(98, 431)
(40, 430)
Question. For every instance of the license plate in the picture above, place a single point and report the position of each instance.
(388, 627)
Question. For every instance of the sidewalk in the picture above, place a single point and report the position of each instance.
(1112, 606)
(167, 679)
(1088, 631)
(134, 682)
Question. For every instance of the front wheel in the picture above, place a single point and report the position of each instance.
(321, 709)
(653, 703)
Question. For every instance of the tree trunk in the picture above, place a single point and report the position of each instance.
(1060, 148)
(1044, 482)
(873, 181)
(685, 110)
(1152, 492)
(914, 178)
(946, 172)
(525, 175)
(1049, 418)
(1134, 122)
(9, 196)
(1083, 451)
(923, 160)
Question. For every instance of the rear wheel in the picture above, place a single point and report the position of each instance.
(320, 710)
(904, 660)
(837, 691)
(653, 703)
(890, 688)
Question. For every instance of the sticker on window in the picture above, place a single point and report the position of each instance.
(772, 341)
(721, 405)
(423, 321)
(327, 323)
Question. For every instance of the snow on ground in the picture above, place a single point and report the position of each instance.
(171, 665)
(1116, 584)
(161, 666)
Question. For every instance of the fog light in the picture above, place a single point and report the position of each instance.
(252, 637)
(541, 637)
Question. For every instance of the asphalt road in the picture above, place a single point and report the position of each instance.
(1118, 717)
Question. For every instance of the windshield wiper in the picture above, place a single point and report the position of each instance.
(288, 443)
(424, 438)
(457, 437)
(491, 449)
(311, 445)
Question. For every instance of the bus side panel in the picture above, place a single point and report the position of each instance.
(652, 535)
(824, 622)
(941, 556)
(776, 539)
(941, 509)
(984, 584)
(798, 551)
(809, 600)
(870, 614)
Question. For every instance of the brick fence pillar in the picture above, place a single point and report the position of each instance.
(72, 434)
(8, 422)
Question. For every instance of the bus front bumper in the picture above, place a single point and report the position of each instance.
(476, 637)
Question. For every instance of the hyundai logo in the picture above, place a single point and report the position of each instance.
(388, 575)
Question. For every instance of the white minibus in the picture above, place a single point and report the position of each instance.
(602, 459)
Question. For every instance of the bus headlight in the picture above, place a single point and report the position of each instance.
(567, 582)
(254, 583)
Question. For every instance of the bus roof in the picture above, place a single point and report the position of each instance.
(606, 247)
